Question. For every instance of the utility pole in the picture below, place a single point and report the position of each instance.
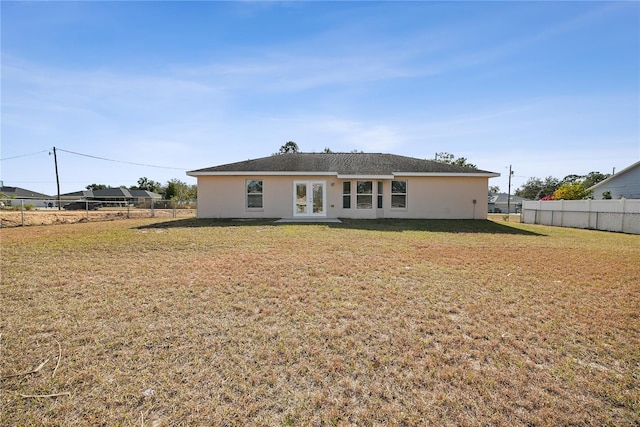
(509, 194)
(55, 159)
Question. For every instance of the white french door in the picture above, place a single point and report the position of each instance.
(309, 198)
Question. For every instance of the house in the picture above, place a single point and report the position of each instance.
(625, 183)
(19, 195)
(503, 202)
(115, 196)
(341, 185)
(77, 195)
(142, 196)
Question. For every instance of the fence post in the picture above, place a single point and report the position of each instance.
(22, 211)
(153, 214)
(624, 205)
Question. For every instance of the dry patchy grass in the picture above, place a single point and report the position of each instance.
(191, 322)
(10, 218)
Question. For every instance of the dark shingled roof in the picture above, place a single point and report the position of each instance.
(22, 193)
(340, 163)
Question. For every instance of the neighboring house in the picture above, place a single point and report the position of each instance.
(625, 183)
(503, 202)
(77, 195)
(142, 196)
(118, 195)
(341, 185)
(21, 195)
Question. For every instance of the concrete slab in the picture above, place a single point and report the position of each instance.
(309, 220)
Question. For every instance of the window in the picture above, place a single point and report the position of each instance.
(346, 195)
(254, 193)
(379, 194)
(398, 194)
(364, 195)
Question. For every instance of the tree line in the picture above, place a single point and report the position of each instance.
(174, 189)
(571, 187)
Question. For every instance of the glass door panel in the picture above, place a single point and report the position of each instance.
(318, 198)
(301, 198)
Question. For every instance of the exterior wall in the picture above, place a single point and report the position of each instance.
(427, 197)
(608, 215)
(625, 185)
(441, 198)
(225, 196)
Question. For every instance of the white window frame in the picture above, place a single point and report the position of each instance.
(247, 194)
(345, 195)
(405, 194)
(370, 195)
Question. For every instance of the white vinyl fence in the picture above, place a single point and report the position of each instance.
(621, 215)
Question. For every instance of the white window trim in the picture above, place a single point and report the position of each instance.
(246, 195)
(373, 194)
(350, 194)
(405, 194)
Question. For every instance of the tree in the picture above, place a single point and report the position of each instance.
(572, 187)
(327, 150)
(179, 191)
(450, 159)
(289, 147)
(573, 191)
(593, 178)
(94, 187)
(147, 184)
(536, 188)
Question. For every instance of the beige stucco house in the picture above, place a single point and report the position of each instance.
(341, 185)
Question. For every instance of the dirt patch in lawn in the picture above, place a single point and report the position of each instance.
(354, 324)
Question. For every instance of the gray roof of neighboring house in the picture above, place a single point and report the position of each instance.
(119, 192)
(145, 194)
(81, 193)
(504, 198)
(110, 193)
(341, 164)
(22, 193)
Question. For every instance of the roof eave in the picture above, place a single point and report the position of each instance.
(614, 176)
(343, 176)
(253, 173)
(364, 176)
(450, 174)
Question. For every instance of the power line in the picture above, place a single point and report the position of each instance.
(120, 161)
(23, 155)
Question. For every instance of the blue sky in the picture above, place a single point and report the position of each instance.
(552, 88)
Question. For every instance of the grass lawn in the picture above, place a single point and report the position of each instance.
(149, 322)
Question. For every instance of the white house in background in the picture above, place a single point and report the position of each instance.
(315, 186)
(503, 202)
(625, 183)
(115, 195)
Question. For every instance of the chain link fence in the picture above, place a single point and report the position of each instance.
(25, 212)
